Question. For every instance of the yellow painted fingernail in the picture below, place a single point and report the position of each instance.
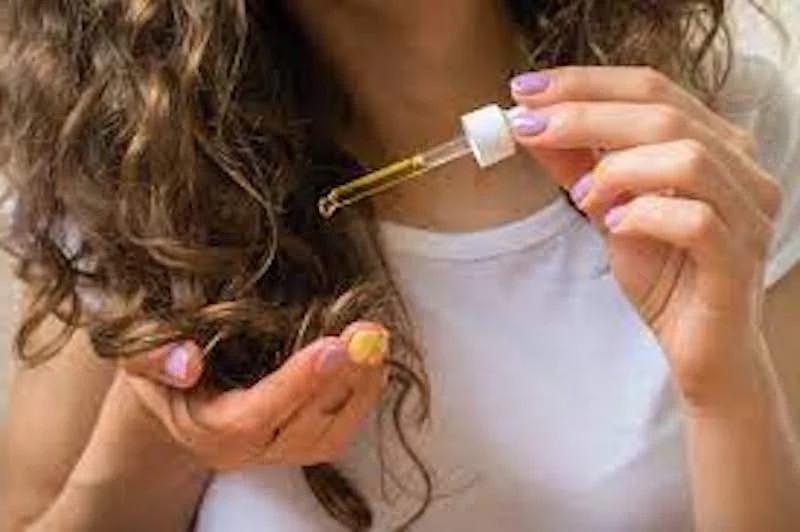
(599, 171)
(368, 347)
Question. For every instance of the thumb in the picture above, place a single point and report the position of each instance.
(177, 365)
(277, 396)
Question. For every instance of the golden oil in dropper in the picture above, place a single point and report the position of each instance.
(487, 136)
(370, 184)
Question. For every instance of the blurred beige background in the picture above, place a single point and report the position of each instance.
(754, 39)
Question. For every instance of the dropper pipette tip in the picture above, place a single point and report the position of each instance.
(327, 206)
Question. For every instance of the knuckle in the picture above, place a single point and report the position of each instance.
(654, 84)
(773, 197)
(563, 80)
(703, 223)
(573, 113)
(571, 81)
(695, 159)
(668, 121)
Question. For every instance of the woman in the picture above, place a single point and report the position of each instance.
(563, 398)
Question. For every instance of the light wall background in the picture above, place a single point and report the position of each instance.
(755, 38)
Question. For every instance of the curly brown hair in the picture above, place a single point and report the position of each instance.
(166, 157)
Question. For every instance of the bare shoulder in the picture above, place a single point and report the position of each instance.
(75, 371)
(52, 409)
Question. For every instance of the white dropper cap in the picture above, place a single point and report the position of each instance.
(488, 132)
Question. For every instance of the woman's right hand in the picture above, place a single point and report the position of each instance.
(304, 413)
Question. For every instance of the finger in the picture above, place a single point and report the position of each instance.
(685, 168)
(177, 365)
(161, 401)
(630, 84)
(271, 402)
(340, 433)
(249, 418)
(295, 442)
(299, 434)
(688, 224)
(203, 420)
(607, 125)
(322, 430)
(274, 399)
(617, 126)
(219, 450)
(302, 433)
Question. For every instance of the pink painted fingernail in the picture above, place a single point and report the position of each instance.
(176, 364)
(331, 357)
(530, 83)
(528, 124)
(614, 216)
(581, 189)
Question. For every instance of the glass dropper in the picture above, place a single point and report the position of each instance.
(389, 176)
(487, 136)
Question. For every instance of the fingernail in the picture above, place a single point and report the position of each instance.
(581, 189)
(176, 364)
(331, 357)
(530, 83)
(528, 124)
(368, 347)
(614, 217)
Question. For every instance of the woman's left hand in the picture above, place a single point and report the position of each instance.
(689, 214)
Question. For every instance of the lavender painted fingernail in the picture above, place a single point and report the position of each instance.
(614, 217)
(176, 364)
(528, 124)
(581, 189)
(530, 83)
(331, 357)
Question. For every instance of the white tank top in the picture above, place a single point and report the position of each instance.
(552, 403)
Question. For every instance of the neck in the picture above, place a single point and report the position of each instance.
(412, 68)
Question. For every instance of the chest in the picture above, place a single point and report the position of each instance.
(552, 411)
(551, 400)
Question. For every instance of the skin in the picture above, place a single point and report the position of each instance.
(692, 262)
(102, 433)
(724, 352)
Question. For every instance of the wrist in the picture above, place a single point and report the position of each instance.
(744, 467)
(131, 475)
(128, 442)
(737, 383)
